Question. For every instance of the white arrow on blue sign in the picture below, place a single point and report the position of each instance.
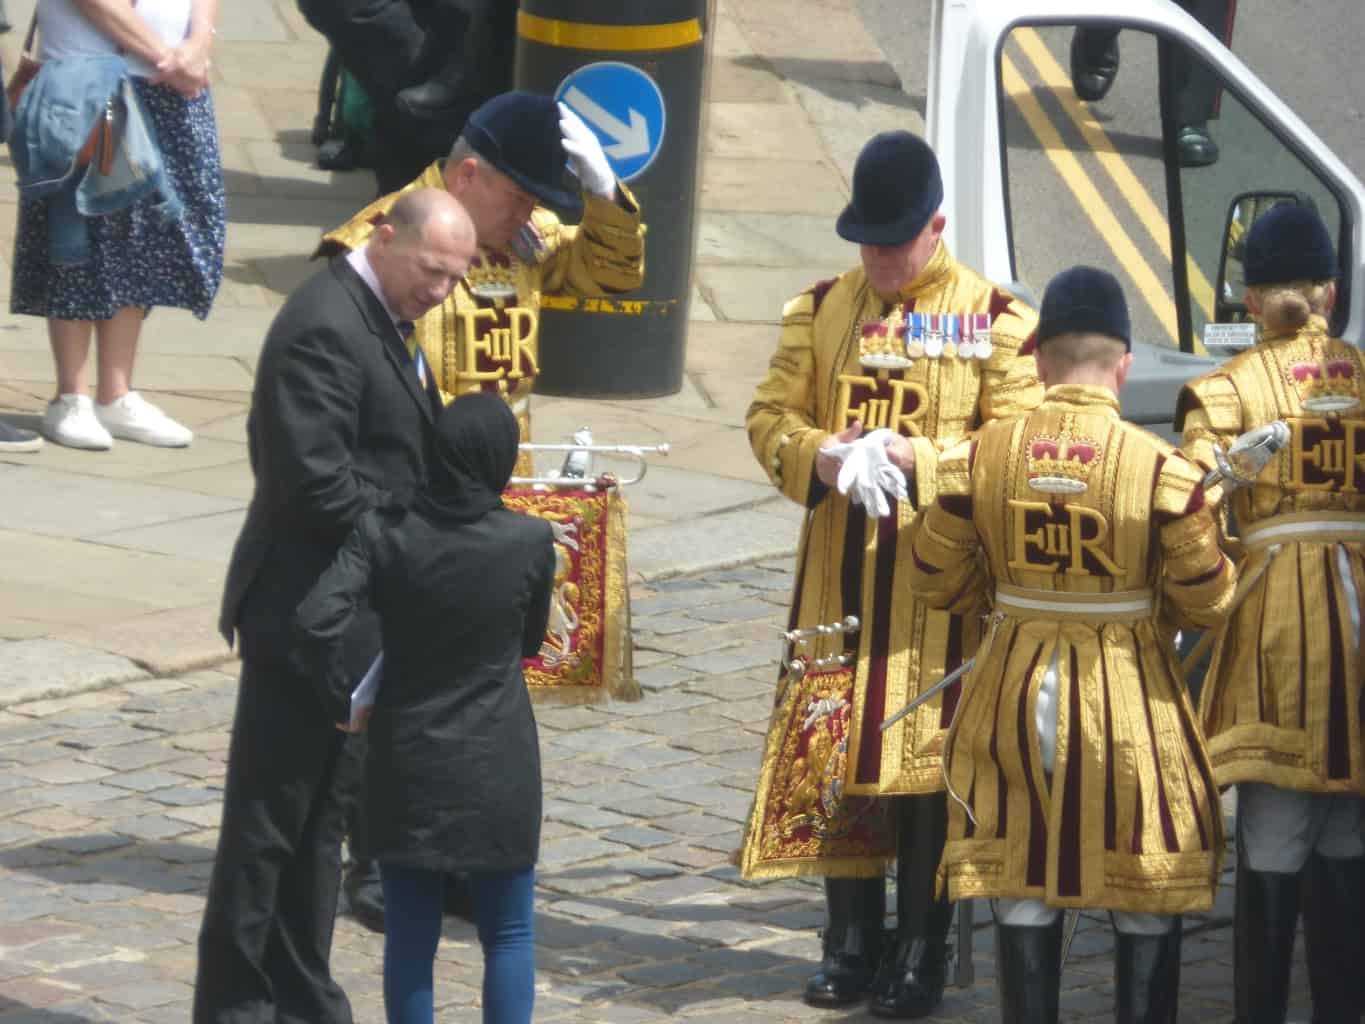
(624, 107)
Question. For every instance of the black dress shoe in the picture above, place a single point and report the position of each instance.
(365, 893)
(1196, 148)
(911, 983)
(428, 101)
(842, 980)
(1094, 63)
(851, 942)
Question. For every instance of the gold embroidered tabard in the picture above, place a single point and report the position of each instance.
(485, 336)
(844, 354)
(1097, 543)
(1282, 701)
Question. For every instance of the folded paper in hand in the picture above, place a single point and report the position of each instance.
(363, 695)
(867, 475)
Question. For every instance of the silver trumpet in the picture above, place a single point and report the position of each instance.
(577, 466)
(1248, 454)
(799, 666)
(795, 666)
(849, 624)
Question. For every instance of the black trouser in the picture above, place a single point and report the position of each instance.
(1196, 85)
(266, 937)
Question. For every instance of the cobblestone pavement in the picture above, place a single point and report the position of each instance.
(109, 807)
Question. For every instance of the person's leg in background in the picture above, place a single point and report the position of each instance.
(1275, 834)
(72, 419)
(1094, 62)
(70, 416)
(413, 898)
(504, 909)
(1146, 968)
(263, 952)
(851, 942)
(122, 411)
(379, 41)
(1333, 894)
(910, 983)
(1028, 960)
(1197, 86)
(364, 892)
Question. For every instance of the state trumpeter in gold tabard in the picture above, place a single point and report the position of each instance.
(1076, 767)
(510, 156)
(918, 344)
(1282, 704)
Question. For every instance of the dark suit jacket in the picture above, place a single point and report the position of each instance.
(452, 773)
(339, 424)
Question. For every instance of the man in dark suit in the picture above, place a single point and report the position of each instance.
(342, 421)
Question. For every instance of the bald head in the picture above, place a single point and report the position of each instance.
(1084, 357)
(423, 247)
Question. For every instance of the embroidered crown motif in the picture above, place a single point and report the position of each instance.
(881, 345)
(491, 276)
(1331, 385)
(1060, 464)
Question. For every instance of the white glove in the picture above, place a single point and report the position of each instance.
(586, 158)
(868, 476)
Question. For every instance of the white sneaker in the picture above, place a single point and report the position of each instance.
(70, 420)
(133, 418)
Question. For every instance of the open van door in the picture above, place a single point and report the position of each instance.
(1112, 190)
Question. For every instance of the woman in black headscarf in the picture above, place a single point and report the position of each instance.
(452, 778)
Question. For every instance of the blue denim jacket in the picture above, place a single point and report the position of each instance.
(56, 115)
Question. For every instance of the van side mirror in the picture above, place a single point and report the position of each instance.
(1243, 211)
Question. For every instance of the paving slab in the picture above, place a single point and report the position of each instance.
(34, 669)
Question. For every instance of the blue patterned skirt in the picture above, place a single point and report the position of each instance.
(136, 258)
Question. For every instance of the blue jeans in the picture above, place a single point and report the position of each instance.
(414, 900)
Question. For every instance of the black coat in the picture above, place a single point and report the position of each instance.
(339, 425)
(452, 777)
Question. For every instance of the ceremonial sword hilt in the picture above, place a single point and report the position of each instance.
(1250, 453)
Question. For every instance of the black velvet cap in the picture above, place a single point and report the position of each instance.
(518, 134)
(1088, 300)
(1288, 243)
(896, 189)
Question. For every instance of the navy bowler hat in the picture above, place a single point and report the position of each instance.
(896, 189)
(1288, 243)
(1084, 300)
(518, 134)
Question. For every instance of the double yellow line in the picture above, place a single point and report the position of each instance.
(1101, 215)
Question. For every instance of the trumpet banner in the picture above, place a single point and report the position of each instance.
(586, 654)
(802, 821)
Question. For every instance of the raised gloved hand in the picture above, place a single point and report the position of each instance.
(586, 157)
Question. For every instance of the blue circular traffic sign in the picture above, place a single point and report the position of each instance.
(624, 108)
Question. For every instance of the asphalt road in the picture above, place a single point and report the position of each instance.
(1086, 182)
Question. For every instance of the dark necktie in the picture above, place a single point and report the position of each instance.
(419, 361)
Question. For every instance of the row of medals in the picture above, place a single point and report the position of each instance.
(928, 336)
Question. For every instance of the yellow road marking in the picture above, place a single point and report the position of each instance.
(1117, 168)
(1106, 223)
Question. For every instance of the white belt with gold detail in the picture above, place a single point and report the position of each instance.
(1304, 527)
(1117, 605)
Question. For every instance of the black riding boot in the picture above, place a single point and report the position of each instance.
(852, 941)
(910, 982)
(1147, 977)
(1332, 935)
(1028, 972)
(1263, 943)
